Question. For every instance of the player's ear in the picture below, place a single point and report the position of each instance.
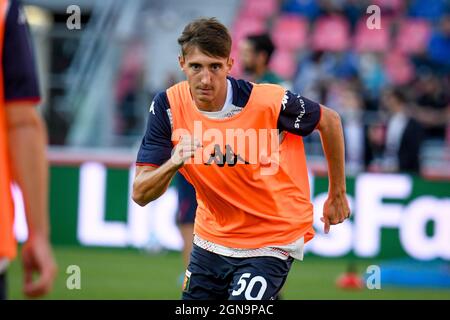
(181, 61)
(230, 63)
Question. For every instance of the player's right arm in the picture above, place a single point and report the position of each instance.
(151, 182)
(156, 163)
(300, 116)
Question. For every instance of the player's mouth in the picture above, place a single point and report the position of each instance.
(205, 90)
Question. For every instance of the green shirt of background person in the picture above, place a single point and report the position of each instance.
(270, 77)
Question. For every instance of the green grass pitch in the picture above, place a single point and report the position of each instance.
(133, 274)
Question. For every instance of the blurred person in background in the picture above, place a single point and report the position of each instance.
(372, 74)
(374, 140)
(255, 52)
(22, 153)
(432, 107)
(311, 73)
(319, 70)
(404, 135)
(351, 108)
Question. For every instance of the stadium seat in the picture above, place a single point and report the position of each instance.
(331, 34)
(259, 8)
(283, 63)
(290, 32)
(413, 36)
(398, 68)
(242, 28)
(372, 40)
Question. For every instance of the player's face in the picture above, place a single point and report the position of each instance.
(247, 56)
(207, 77)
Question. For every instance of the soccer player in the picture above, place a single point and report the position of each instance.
(22, 155)
(254, 213)
(255, 53)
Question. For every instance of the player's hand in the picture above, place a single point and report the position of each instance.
(335, 211)
(185, 149)
(37, 257)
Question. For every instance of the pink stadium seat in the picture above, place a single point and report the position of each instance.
(243, 27)
(331, 34)
(372, 40)
(413, 36)
(398, 68)
(259, 8)
(283, 63)
(290, 32)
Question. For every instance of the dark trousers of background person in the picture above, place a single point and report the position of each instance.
(3, 286)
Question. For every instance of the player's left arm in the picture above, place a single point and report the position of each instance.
(336, 208)
(302, 116)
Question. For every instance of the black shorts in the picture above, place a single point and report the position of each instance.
(211, 276)
(187, 202)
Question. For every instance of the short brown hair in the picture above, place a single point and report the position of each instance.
(208, 35)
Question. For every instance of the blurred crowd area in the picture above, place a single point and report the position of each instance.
(390, 85)
(385, 69)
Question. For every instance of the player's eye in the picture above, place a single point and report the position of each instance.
(216, 67)
(195, 67)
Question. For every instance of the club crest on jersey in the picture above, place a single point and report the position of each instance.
(186, 281)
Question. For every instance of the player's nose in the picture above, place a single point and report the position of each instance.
(206, 77)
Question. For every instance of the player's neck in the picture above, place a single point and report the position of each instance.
(212, 106)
